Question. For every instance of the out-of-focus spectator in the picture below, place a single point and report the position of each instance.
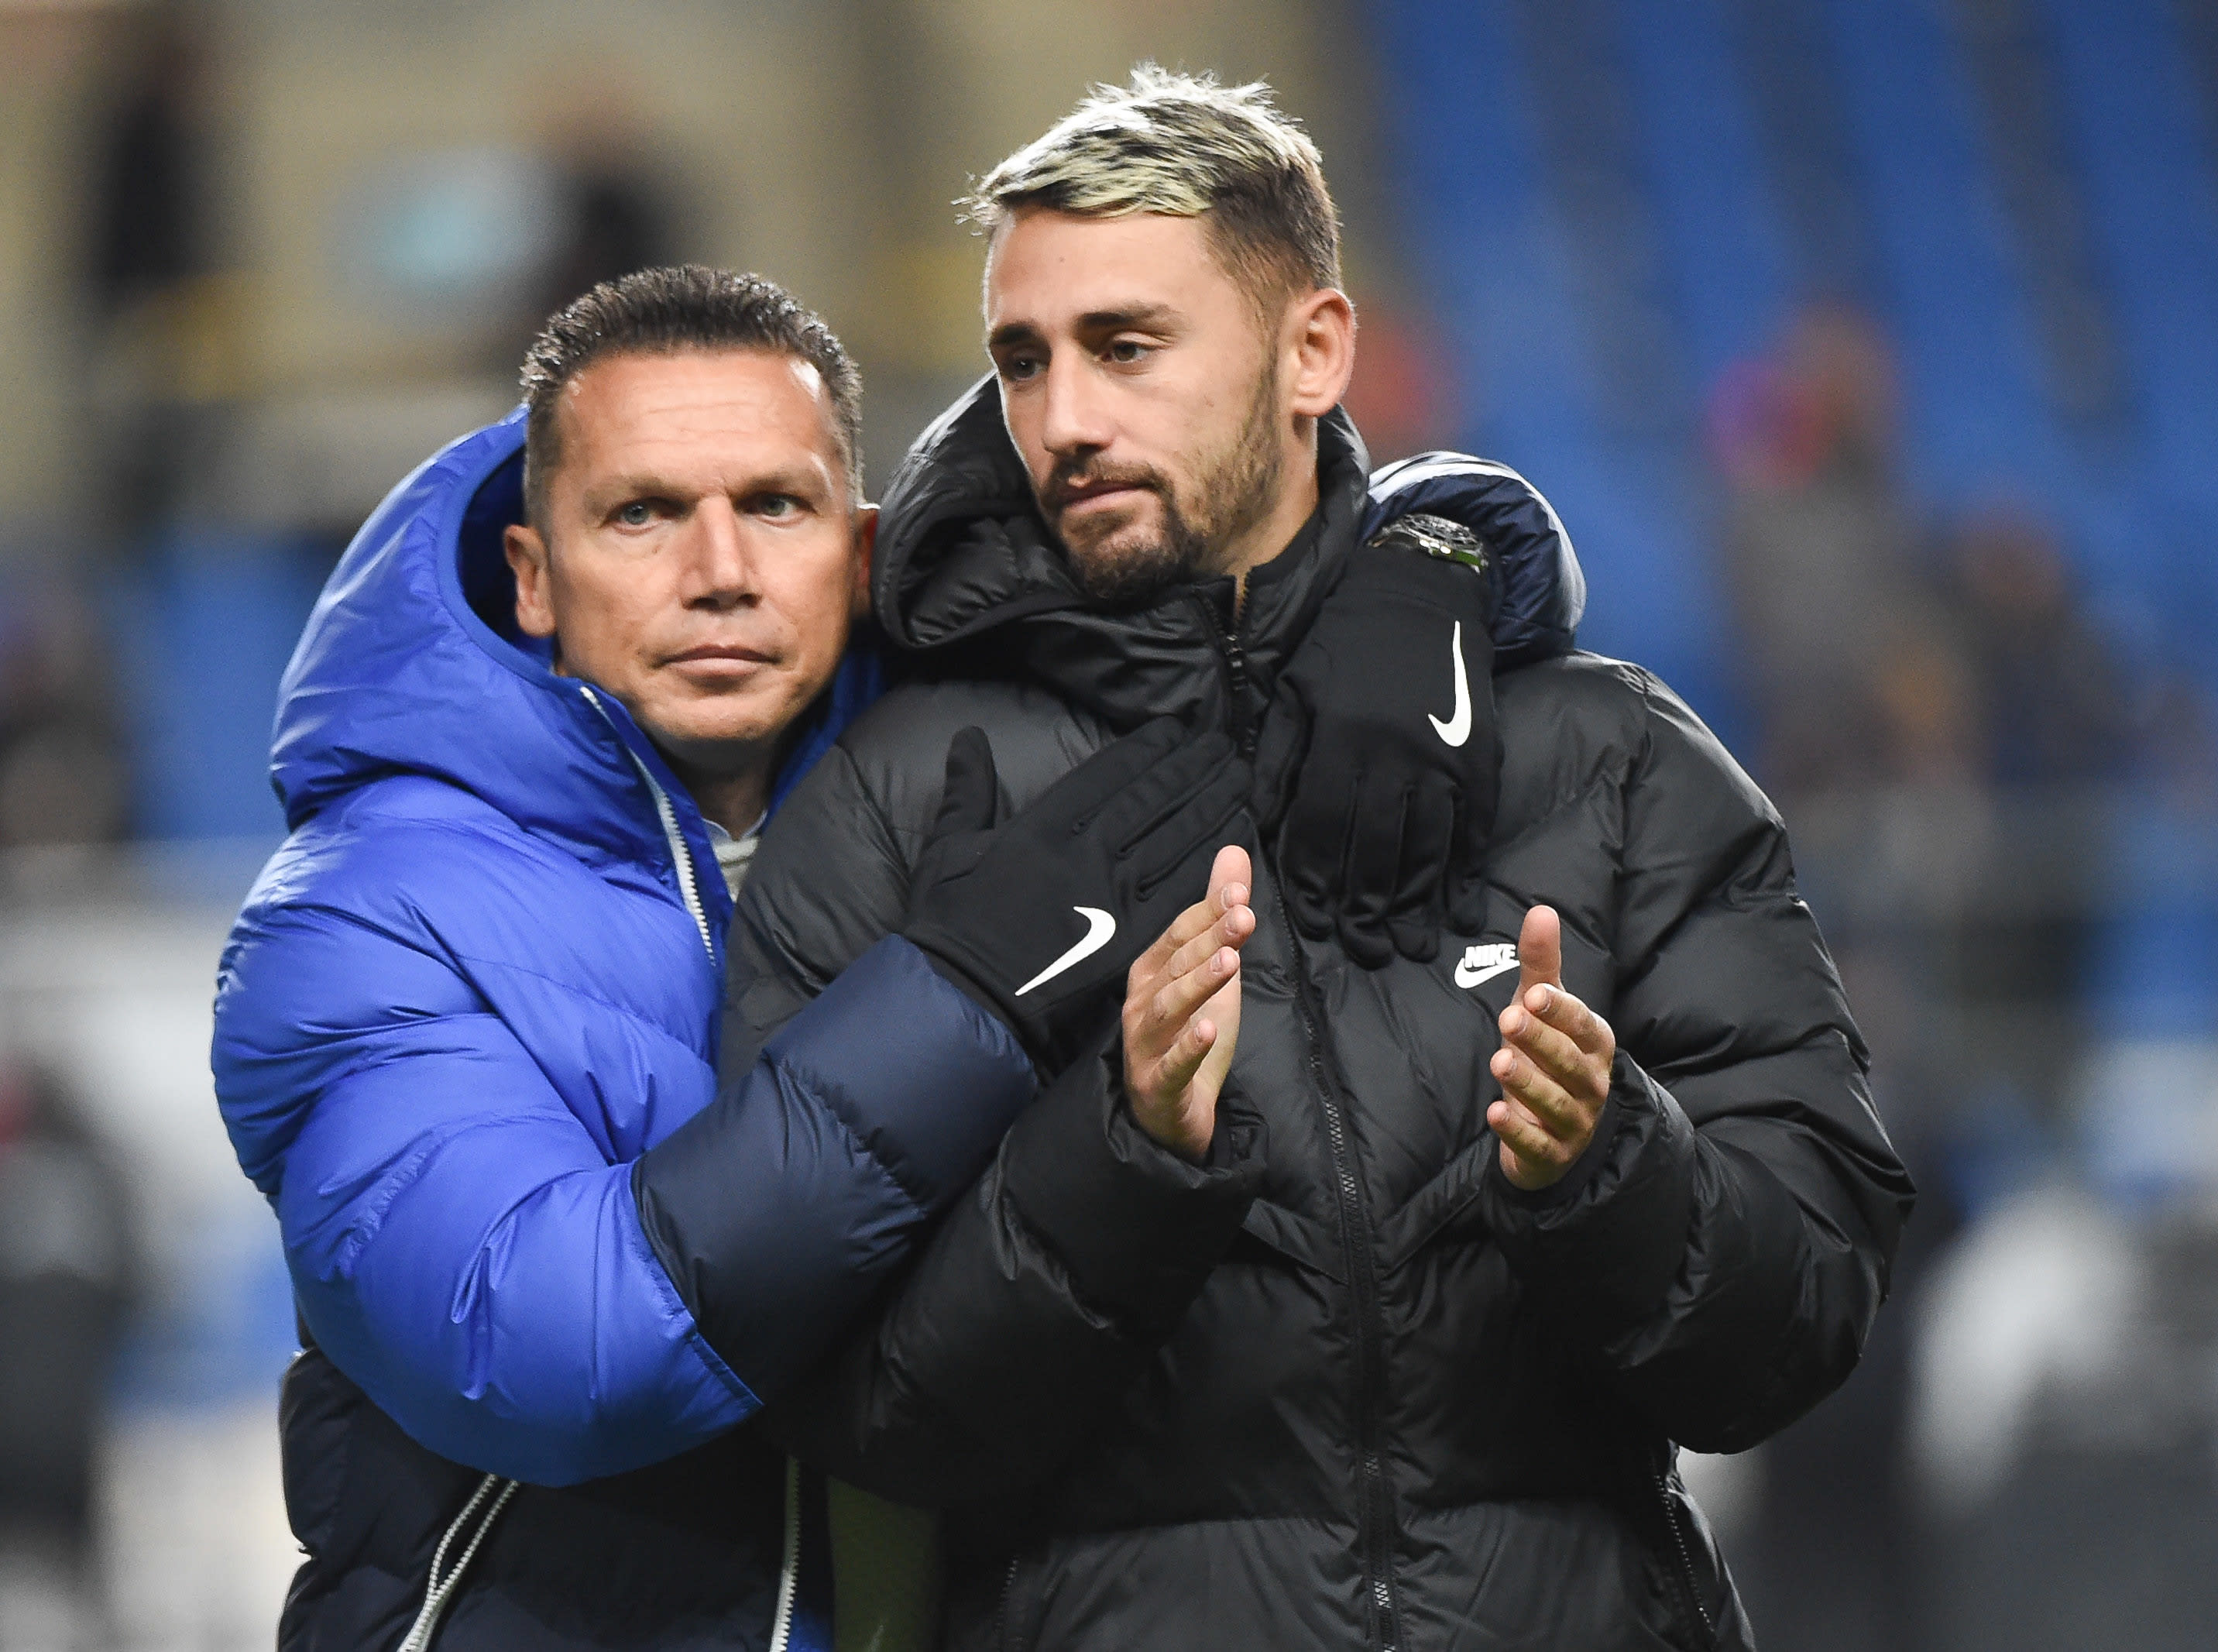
(1869, 703)
(166, 324)
(1820, 559)
(68, 1268)
(619, 217)
(149, 204)
(61, 774)
(2052, 726)
(2051, 698)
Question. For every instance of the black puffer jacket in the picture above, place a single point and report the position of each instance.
(1344, 1386)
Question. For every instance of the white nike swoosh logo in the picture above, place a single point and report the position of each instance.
(1100, 926)
(1484, 960)
(1456, 729)
(1466, 976)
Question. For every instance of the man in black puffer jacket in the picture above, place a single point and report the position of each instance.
(1398, 1350)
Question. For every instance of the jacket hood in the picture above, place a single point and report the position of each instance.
(1540, 590)
(968, 577)
(412, 664)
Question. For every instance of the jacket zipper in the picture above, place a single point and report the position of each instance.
(1001, 1611)
(439, 1589)
(688, 888)
(1235, 660)
(1377, 1513)
(1686, 1557)
(788, 1572)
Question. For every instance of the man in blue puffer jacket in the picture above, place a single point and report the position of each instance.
(475, 995)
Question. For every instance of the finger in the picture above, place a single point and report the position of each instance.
(1199, 767)
(1172, 854)
(1414, 919)
(1231, 874)
(1176, 1070)
(967, 803)
(1465, 882)
(1167, 1009)
(1540, 950)
(1235, 930)
(1568, 1014)
(1552, 1052)
(1313, 846)
(1374, 865)
(1521, 1133)
(1233, 890)
(1102, 778)
(1542, 1096)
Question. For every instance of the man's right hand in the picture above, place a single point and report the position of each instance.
(1182, 1012)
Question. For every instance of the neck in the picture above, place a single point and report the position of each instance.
(734, 800)
(1275, 530)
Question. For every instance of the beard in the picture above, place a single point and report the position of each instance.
(1125, 561)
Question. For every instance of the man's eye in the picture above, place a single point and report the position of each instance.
(1126, 351)
(776, 504)
(1017, 368)
(637, 514)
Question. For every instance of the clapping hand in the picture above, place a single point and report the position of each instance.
(1182, 1012)
(1553, 1064)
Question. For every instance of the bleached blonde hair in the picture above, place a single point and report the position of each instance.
(1185, 147)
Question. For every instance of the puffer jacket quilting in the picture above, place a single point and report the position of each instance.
(470, 1005)
(1392, 1400)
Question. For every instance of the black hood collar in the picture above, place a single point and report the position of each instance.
(968, 580)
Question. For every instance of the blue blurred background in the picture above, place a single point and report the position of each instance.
(1868, 347)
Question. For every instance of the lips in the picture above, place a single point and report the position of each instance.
(719, 654)
(1084, 500)
(1068, 490)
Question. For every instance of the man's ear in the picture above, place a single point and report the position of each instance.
(1320, 337)
(866, 545)
(527, 561)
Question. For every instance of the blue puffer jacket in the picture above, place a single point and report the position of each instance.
(478, 982)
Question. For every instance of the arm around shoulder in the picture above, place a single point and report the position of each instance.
(1042, 1295)
(459, 1244)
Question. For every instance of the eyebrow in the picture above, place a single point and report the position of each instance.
(1132, 315)
(1135, 314)
(798, 479)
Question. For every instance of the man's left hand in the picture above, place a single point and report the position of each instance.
(1553, 1064)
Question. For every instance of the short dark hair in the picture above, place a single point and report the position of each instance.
(664, 312)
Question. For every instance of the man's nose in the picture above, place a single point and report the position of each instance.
(719, 568)
(1073, 413)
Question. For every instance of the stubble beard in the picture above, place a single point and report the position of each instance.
(1129, 564)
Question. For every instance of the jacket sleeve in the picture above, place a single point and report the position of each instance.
(466, 1247)
(1042, 1297)
(1723, 1243)
(1049, 1285)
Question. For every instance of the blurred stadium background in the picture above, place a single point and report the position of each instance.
(1868, 347)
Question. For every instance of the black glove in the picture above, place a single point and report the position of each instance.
(1377, 764)
(1040, 917)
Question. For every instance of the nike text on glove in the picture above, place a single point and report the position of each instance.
(1039, 917)
(1377, 764)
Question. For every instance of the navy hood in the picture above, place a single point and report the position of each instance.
(1539, 590)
